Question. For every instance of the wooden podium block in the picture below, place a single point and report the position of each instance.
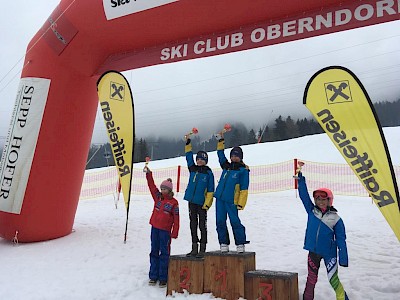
(224, 273)
(185, 273)
(271, 285)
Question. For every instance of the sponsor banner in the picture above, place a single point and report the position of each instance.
(349, 15)
(342, 107)
(116, 105)
(21, 142)
(119, 8)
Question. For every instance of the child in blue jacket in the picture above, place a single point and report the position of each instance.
(199, 193)
(231, 196)
(325, 234)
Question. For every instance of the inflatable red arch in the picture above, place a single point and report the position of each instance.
(45, 155)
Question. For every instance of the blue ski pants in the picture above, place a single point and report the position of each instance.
(159, 255)
(223, 210)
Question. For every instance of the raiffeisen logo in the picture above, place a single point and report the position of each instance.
(119, 8)
(338, 92)
(117, 144)
(361, 163)
(117, 91)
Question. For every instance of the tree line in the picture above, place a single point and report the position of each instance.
(283, 128)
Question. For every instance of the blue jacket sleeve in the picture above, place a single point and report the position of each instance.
(222, 158)
(211, 182)
(189, 154)
(340, 234)
(244, 179)
(303, 193)
(189, 159)
(221, 153)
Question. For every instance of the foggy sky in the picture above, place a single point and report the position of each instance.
(253, 86)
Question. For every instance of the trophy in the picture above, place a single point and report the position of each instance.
(146, 164)
(194, 131)
(219, 135)
(300, 164)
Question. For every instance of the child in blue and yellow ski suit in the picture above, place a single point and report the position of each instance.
(231, 196)
(199, 193)
(325, 234)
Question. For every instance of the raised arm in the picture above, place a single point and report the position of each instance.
(154, 191)
(189, 153)
(303, 193)
(220, 152)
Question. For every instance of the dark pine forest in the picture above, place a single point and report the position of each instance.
(282, 128)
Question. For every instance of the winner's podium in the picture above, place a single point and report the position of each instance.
(224, 273)
(230, 276)
(185, 273)
(263, 284)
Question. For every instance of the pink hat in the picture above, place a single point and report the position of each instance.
(167, 184)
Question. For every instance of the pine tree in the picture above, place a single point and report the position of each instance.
(142, 151)
(251, 137)
(315, 127)
(211, 144)
(280, 129)
(292, 129)
(269, 135)
(304, 127)
(235, 138)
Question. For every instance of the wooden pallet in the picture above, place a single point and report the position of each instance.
(263, 284)
(229, 276)
(185, 273)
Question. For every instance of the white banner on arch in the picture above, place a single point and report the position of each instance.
(21, 142)
(119, 8)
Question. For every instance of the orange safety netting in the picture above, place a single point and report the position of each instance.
(263, 179)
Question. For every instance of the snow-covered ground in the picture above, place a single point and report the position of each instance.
(94, 263)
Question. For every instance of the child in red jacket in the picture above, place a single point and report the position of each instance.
(164, 223)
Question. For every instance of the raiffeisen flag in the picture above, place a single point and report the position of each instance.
(116, 105)
(342, 107)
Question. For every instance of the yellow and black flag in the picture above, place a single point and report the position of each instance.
(116, 104)
(341, 105)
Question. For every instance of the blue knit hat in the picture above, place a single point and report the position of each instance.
(237, 151)
(202, 155)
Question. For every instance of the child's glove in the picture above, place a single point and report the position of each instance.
(208, 201)
(218, 136)
(205, 206)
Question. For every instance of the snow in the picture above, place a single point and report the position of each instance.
(94, 263)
